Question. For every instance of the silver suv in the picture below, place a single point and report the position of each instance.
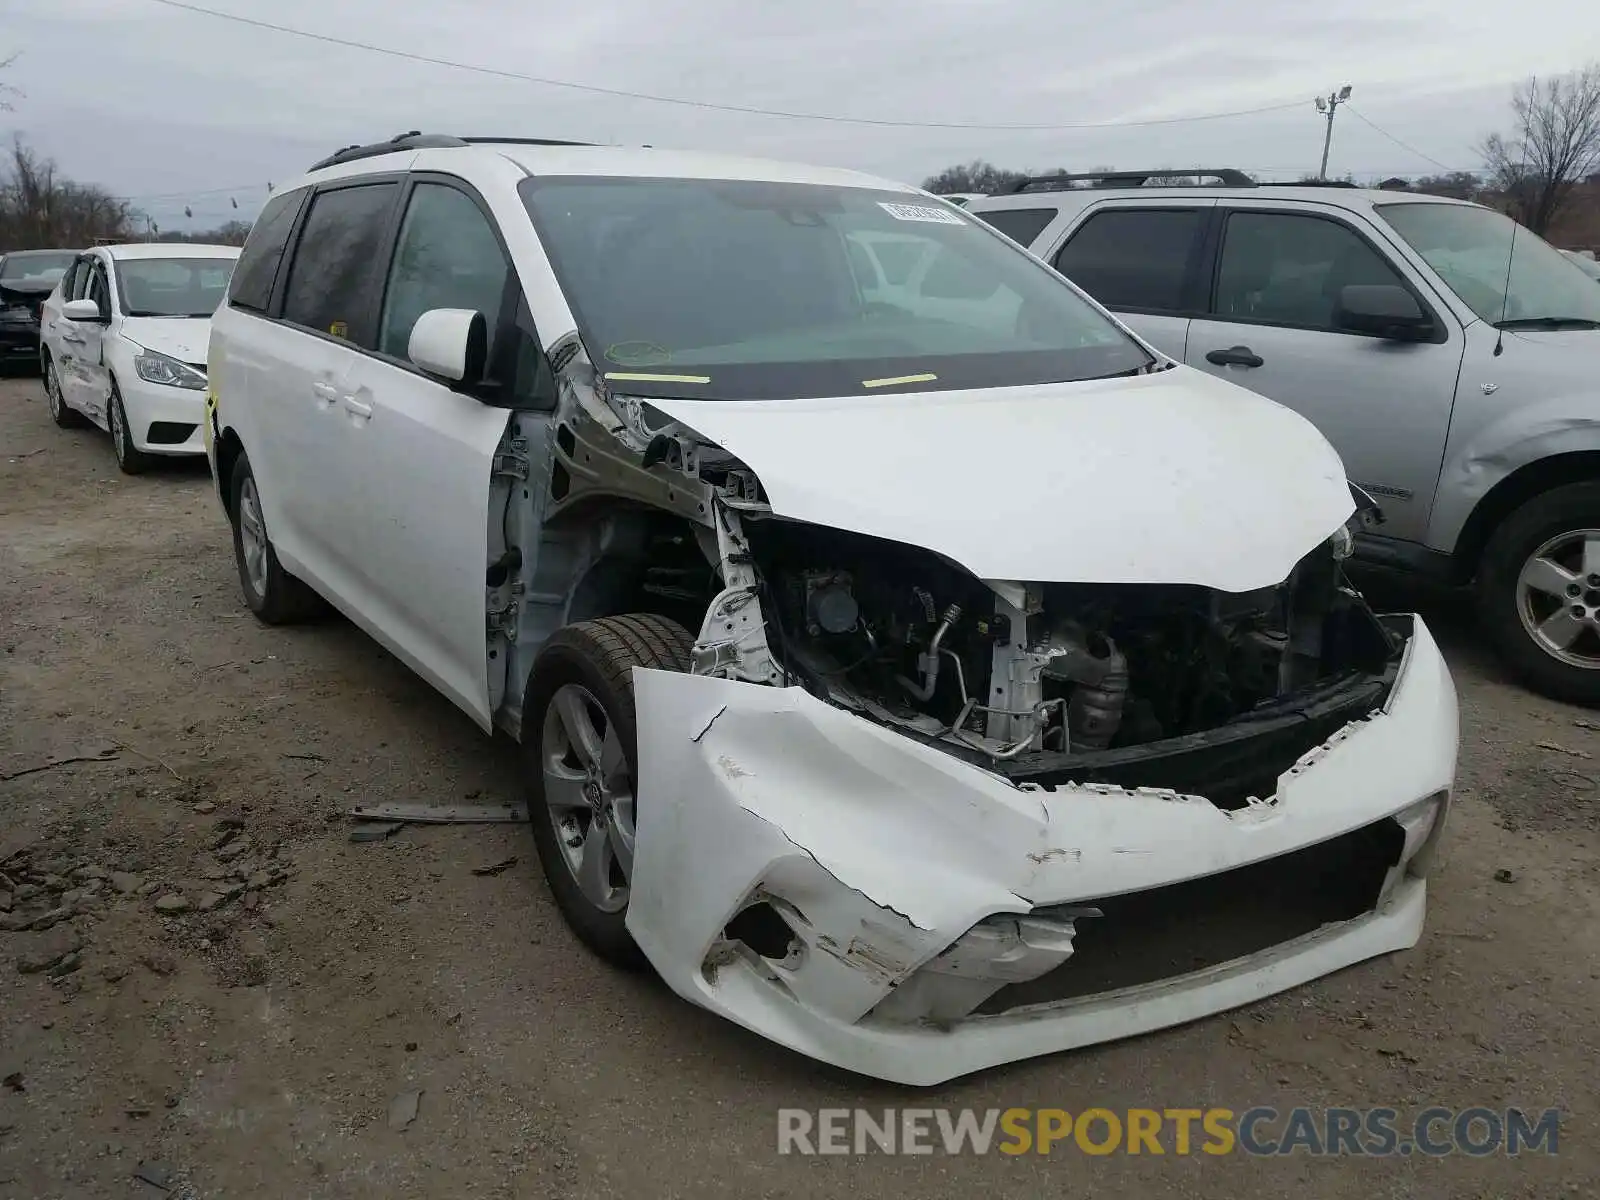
(1450, 355)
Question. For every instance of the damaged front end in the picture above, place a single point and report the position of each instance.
(915, 822)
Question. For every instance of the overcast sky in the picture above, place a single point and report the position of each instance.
(172, 108)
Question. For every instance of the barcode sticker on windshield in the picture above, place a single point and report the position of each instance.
(921, 212)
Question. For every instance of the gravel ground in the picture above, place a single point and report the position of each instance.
(256, 1043)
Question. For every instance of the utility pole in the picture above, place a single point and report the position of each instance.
(1329, 105)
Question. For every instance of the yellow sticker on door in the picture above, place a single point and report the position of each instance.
(339, 329)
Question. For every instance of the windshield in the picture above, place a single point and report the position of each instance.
(33, 268)
(173, 287)
(753, 290)
(1587, 265)
(1469, 247)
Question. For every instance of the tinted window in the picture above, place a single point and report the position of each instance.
(1287, 269)
(744, 289)
(1021, 225)
(263, 250)
(1133, 259)
(447, 257)
(339, 262)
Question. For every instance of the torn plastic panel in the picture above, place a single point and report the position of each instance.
(893, 865)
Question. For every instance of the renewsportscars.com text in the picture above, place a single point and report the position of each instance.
(1258, 1131)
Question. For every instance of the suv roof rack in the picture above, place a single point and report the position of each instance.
(417, 140)
(1226, 176)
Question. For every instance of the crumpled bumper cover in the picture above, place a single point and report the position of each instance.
(911, 885)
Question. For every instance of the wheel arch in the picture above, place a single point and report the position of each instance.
(229, 451)
(1511, 493)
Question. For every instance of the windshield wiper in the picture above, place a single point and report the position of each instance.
(1548, 323)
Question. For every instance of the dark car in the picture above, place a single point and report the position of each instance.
(26, 278)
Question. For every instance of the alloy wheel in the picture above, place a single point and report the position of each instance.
(1558, 598)
(253, 538)
(588, 790)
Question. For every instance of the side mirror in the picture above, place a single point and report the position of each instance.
(451, 344)
(84, 311)
(1383, 310)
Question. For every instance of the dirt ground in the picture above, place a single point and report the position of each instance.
(257, 1048)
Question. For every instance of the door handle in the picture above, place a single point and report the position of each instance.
(325, 393)
(1235, 356)
(356, 408)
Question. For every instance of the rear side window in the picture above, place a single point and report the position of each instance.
(339, 262)
(1021, 225)
(263, 250)
(1133, 259)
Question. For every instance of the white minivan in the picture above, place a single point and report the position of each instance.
(920, 690)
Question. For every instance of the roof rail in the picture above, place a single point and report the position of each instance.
(1332, 183)
(500, 141)
(417, 140)
(1226, 176)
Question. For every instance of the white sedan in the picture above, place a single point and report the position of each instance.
(123, 345)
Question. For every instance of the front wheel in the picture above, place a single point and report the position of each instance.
(1539, 592)
(132, 460)
(580, 746)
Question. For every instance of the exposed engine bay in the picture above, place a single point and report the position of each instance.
(903, 636)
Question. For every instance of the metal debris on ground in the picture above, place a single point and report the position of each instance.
(105, 754)
(375, 833)
(504, 864)
(442, 814)
(155, 1174)
(403, 1109)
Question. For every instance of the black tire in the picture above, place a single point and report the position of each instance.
(1546, 516)
(66, 418)
(600, 656)
(281, 599)
(132, 461)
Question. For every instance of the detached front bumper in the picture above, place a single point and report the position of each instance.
(880, 905)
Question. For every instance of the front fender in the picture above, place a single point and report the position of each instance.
(1523, 434)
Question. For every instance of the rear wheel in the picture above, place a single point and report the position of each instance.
(1539, 592)
(274, 595)
(66, 418)
(580, 746)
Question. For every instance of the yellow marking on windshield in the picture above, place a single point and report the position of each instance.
(891, 381)
(647, 377)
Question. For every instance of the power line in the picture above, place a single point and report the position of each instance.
(1403, 145)
(749, 110)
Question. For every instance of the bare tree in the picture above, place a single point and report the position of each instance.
(1555, 142)
(1459, 185)
(38, 208)
(8, 94)
(979, 176)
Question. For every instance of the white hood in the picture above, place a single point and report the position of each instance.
(1175, 477)
(182, 338)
